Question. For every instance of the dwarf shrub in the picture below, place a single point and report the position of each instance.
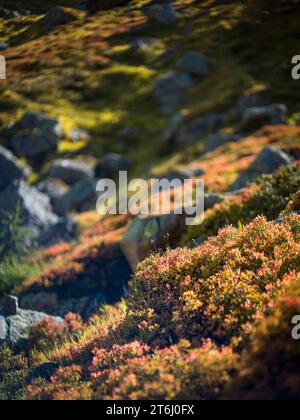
(213, 291)
(177, 372)
(14, 371)
(270, 368)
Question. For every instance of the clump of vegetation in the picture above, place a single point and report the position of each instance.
(215, 290)
(188, 316)
(267, 197)
(294, 204)
(270, 367)
(13, 265)
(175, 373)
(13, 374)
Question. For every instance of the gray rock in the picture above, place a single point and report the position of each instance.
(172, 128)
(35, 121)
(34, 145)
(111, 164)
(20, 324)
(3, 329)
(161, 13)
(3, 46)
(267, 162)
(55, 17)
(10, 169)
(36, 212)
(144, 43)
(71, 171)
(34, 135)
(195, 63)
(81, 197)
(252, 100)
(9, 305)
(189, 132)
(54, 189)
(145, 235)
(171, 88)
(257, 117)
(78, 134)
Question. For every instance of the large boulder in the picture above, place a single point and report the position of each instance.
(111, 164)
(194, 63)
(171, 88)
(10, 169)
(71, 171)
(54, 189)
(267, 162)
(14, 328)
(41, 224)
(248, 100)
(146, 235)
(34, 145)
(184, 133)
(81, 197)
(34, 135)
(257, 117)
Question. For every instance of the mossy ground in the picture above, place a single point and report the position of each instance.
(88, 74)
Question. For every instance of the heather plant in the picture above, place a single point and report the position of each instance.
(213, 291)
(178, 372)
(267, 197)
(48, 334)
(269, 368)
(13, 374)
(66, 384)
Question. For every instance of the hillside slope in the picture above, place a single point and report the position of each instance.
(188, 89)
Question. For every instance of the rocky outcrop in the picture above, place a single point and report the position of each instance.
(15, 323)
(194, 63)
(81, 197)
(36, 213)
(146, 235)
(34, 136)
(150, 234)
(171, 88)
(71, 171)
(10, 168)
(257, 117)
(111, 164)
(267, 162)
(181, 132)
